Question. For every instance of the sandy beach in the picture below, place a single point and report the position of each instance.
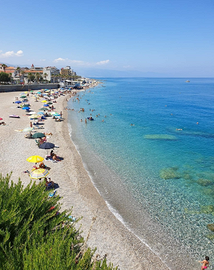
(108, 234)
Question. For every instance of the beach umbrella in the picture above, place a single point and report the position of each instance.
(35, 159)
(40, 113)
(18, 101)
(1, 118)
(27, 129)
(26, 104)
(49, 103)
(39, 173)
(56, 114)
(44, 101)
(43, 109)
(25, 108)
(46, 105)
(32, 113)
(38, 135)
(47, 145)
(23, 96)
(34, 116)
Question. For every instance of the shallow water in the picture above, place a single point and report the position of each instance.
(152, 158)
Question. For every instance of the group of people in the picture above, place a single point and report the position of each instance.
(48, 182)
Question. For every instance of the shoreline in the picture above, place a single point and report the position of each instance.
(143, 227)
(127, 250)
(108, 234)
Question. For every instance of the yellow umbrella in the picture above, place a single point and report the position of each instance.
(45, 101)
(39, 173)
(35, 159)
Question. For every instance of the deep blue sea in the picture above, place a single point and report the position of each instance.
(150, 154)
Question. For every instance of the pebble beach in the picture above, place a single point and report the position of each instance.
(78, 194)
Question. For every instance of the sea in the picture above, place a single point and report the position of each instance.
(150, 154)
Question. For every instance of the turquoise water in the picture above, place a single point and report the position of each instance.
(150, 153)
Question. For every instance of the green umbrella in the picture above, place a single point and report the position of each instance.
(38, 135)
(23, 96)
(43, 109)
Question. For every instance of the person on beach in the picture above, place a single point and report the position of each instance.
(205, 263)
(54, 156)
(49, 183)
(42, 165)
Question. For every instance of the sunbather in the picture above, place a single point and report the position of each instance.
(54, 156)
(42, 165)
(49, 183)
(49, 133)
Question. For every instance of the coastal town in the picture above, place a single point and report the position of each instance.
(38, 75)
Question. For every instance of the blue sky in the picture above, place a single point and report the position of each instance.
(147, 37)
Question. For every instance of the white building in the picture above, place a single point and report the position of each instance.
(49, 73)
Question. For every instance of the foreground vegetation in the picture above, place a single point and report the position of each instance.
(34, 235)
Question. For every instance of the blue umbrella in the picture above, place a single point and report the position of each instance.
(46, 105)
(18, 101)
(47, 145)
(26, 108)
(40, 113)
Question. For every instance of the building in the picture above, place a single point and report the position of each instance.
(67, 71)
(12, 71)
(50, 73)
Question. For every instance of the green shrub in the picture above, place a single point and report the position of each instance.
(34, 235)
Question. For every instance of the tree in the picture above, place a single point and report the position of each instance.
(75, 77)
(31, 77)
(4, 66)
(45, 75)
(4, 77)
(18, 70)
(38, 77)
(23, 75)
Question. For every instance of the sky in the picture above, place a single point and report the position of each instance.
(152, 38)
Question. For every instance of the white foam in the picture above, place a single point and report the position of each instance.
(120, 218)
(113, 210)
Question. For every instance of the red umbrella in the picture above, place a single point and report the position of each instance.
(1, 118)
